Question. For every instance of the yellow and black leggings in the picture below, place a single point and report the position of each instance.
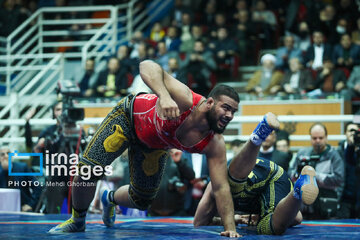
(112, 138)
(260, 193)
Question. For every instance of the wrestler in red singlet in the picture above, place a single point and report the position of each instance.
(158, 133)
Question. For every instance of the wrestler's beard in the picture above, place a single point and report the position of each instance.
(211, 118)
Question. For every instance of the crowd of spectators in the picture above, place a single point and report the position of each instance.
(210, 40)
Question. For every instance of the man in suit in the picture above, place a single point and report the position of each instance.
(269, 152)
(297, 80)
(331, 80)
(317, 52)
(349, 151)
(112, 81)
(346, 54)
(197, 186)
(30, 192)
(288, 51)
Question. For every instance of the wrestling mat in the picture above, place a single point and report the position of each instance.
(35, 226)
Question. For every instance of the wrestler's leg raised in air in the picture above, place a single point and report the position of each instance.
(242, 164)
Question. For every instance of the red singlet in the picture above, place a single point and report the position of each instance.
(158, 133)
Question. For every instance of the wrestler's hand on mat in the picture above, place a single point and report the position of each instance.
(168, 108)
(232, 234)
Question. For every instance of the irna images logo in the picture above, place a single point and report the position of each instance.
(59, 164)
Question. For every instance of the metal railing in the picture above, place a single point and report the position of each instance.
(97, 31)
(28, 54)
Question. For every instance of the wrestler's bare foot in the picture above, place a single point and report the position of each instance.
(305, 188)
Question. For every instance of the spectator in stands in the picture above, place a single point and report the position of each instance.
(197, 186)
(313, 9)
(142, 55)
(331, 80)
(240, 6)
(11, 16)
(220, 22)
(162, 56)
(267, 80)
(170, 198)
(157, 32)
(123, 55)
(245, 36)
(269, 152)
(224, 49)
(29, 192)
(327, 17)
(265, 23)
(87, 77)
(338, 31)
(285, 53)
(134, 43)
(353, 83)
(112, 81)
(176, 14)
(297, 80)
(329, 172)
(175, 70)
(208, 14)
(348, 10)
(172, 40)
(317, 52)
(283, 145)
(196, 34)
(349, 151)
(346, 54)
(199, 64)
(355, 34)
(185, 27)
(302, 37)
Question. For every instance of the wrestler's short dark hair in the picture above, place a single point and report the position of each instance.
(224, 90)
(319, 124)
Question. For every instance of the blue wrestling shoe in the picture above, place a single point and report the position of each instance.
(76, 223)
(264, 128)
(306, 188)
(108, 214)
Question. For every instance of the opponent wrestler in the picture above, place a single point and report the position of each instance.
(266, 191)
(148, 124)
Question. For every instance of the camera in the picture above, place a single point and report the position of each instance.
(70, 114)
(175, 184)
(356, 137)
(306, 160)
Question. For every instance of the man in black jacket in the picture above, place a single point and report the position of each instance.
(349, 151)
(112, 81)
(317, 52)
(269, 152)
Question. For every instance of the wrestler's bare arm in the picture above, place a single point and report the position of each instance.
(206, 209)
(215, 153)
(175, 97)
